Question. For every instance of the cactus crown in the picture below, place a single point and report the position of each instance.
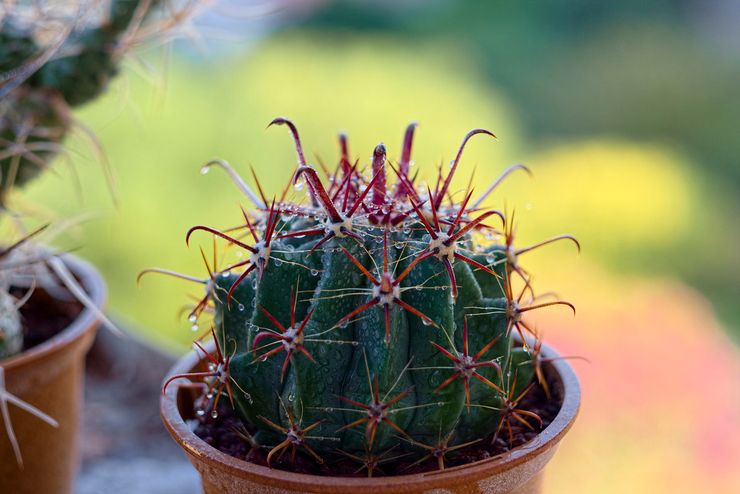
(373, 315)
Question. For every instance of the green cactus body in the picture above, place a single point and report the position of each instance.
(443, 407)
(486, 323)
(380, 367)
(371, 317)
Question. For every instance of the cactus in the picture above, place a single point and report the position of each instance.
(375, 314)
(38, 89)
(11, 333)
(41, 89)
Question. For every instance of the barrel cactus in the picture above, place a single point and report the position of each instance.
(379, 312)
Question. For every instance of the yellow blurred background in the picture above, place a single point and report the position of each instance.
(655, 285)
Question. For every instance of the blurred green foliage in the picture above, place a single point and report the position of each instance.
(646, 70)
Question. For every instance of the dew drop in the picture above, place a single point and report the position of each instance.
(214, 414)
(240, 307)
(426, 322)
(278, 262)
(194, 327)
(192, 318)
(204, 170)
(200, 412)
(314, 272)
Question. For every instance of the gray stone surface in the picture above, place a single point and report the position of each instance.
(125, 447)
(140, 475)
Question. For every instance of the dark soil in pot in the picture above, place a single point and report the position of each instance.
(45, 316)
(226, 433)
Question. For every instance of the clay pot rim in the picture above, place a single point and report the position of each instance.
(543, 442)
(84, 322)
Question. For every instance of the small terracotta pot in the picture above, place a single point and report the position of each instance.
(517, 471)
(50, 376)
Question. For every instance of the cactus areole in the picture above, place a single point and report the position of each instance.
(375, 317)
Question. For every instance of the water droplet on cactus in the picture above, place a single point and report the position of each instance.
(225, 274)
(200, 412)
(278, 262)
(299, 186)
(209, 396)
(240, 307)
(426, 322)
(194, 327)
(214, 414)
(205, 170)
(192, 318)
(314, 272)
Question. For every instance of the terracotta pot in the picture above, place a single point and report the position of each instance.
(50, 376)
(518, 471)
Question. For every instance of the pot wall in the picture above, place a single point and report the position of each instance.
(50, 376)
(517, 472)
